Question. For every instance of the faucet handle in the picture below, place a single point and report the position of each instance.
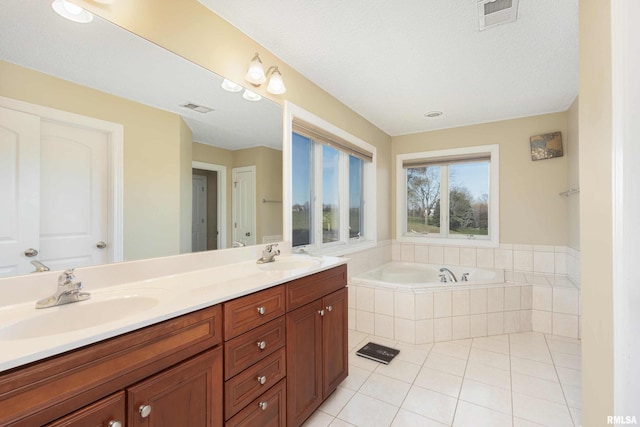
(270, 246)
(67, 277)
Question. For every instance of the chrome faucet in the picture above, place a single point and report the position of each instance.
(443, 276)
(40, 267)
(68, 291)
(269, 254)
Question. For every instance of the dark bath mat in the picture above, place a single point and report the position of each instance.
(378, 352)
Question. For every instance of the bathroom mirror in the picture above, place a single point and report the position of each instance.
(173, 148)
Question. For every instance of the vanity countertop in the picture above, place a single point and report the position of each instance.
(28, 334)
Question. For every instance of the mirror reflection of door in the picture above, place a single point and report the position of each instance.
(56, 210)
(204, 223)
(244, 206)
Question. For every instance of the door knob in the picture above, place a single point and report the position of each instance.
(144, 410)
(101, 245)
(30, 253)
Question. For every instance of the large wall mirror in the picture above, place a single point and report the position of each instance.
(199, 167)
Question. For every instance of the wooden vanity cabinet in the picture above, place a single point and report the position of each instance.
(317, 341)
(179, 357)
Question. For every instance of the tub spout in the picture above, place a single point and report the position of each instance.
(451, 275)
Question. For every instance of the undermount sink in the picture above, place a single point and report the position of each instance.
(291, 263)
(102, 309)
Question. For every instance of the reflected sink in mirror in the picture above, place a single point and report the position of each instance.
(291, 263)
(104, 308)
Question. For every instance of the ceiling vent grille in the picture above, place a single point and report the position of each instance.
(195, 107)
(495, 12)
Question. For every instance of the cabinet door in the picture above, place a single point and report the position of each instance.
(334, 341)
(189, 394)
(304, 362)
(106, 412)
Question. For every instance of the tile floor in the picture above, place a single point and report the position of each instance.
(523, 379)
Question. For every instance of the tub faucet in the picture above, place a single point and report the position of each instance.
(69, 290)
(450, 273)
(269, 254)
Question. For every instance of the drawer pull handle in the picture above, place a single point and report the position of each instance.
(114, 423)
(262, 310)
(263, 405)
(144, 410)
(329, 308)
(262, 379)
(262, 345)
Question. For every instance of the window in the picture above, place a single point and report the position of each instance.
(332, 180)
(449, 196)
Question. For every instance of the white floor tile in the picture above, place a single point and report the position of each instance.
(334, 404)
(531, 351)
(339, 423)
(405, 418)
(488, 396)
(573, 395)
(576, 414)
(400, 370)
(444, 363)
(519, 422)
(356, 339)
(567, 361)
(357, 377)
(386, 389)
(452, 349)
(416, 354)
(439, 381)
(561, 346)
(468, 414)
(430, 404)
(362, 362)
(367, 411)
(488, 375)
(490, 358)
(318, 419)
(533, 368)
(570, 377)
(491, 344)
(541, 411)
(537, 387)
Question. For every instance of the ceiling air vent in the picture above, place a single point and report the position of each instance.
(195, 107)
(495, 12)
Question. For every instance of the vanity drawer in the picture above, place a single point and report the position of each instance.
(267, 410)
(249, 348)
(307, 289)
(245, 313)
(246, 386)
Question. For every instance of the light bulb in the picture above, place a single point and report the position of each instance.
(276, 85)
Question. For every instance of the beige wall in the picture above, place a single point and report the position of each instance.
(186, 192)
(573, 172)
(194, 32)
(531, 211)
(152, 200)
(596, 223)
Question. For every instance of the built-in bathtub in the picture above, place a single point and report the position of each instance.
(407, 302)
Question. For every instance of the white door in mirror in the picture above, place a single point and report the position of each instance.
(244, 205)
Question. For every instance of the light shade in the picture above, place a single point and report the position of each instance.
(72, 12)
(276, 85)
(230, 86)
(255, 74)
(251, 96)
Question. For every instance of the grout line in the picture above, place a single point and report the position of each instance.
(513, 415)
(560, 382)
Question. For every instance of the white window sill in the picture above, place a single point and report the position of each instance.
(341, 248)
(441, 241)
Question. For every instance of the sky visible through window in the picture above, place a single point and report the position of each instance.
(473, 176)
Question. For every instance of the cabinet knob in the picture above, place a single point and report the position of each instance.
(261, 345)
(114, 423)
(329, 308)
(263, 405)
(144, 410)
(261, 310)
(321, 312)
(262, 379)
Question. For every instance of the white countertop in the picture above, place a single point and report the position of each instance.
(168, 297)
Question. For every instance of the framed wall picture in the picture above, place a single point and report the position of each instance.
(546, 146)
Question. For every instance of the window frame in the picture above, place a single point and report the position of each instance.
(459, 154)
(345, 244)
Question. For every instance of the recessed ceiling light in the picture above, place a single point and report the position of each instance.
(432, 114)
(230, 86)
(71, 12)
(251, 96)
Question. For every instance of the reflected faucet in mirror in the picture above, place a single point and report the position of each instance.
(40, 267)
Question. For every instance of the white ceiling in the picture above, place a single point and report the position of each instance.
(392, 61)
(105, 57)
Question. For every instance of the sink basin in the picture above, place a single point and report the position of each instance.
(291, 263)
(99, 310)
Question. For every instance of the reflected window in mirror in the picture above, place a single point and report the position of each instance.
(332, 181)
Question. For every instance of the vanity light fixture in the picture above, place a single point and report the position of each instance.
(230, 86)
(251, 96)
(256, 76)
(72, 12)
